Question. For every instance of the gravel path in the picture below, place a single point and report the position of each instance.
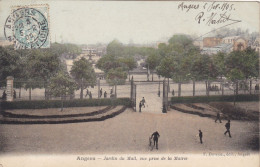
(128, 133)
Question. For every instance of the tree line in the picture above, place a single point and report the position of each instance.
(45, 68)
(178, 60)
(181, 61)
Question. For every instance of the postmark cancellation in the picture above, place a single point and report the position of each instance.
(28, 27)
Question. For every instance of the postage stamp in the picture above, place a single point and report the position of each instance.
(28, 27)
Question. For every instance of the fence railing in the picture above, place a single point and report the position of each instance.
(123, 91)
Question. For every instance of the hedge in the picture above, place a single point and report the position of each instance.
(39, 104)
(206, 99)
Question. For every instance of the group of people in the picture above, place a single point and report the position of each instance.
(213, 87)
(100, 93)
(155, 136)
(88, 93)
(4, 95)
(227, 126)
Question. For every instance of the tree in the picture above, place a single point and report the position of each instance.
(116, 77)
(9, 63)
(42, 65)
(115, 48)
(204, 68)
(163, 49)
(84, 74)
(177, 59)
(180, 43)
(129, 62)
(61, 85)
(166, 67)
(108, 62)
(219, 60)
(153, 60)
(242, 65)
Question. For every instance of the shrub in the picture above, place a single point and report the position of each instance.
(206, 99)
(39, 104)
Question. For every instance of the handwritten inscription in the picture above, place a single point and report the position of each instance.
(211, 13)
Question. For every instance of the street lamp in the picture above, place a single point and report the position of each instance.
(159, 87)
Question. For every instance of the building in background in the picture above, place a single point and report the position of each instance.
(199, 43)
(240, 44)
(211, 41)
(224, 47)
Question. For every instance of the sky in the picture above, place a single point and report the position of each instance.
(141, 22)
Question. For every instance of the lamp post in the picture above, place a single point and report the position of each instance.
(159, 88)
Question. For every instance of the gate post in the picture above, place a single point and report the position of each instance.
(10, 88)
(165, 92)
(98, 82)
(131, 91)
(135, 98)
(133, 94)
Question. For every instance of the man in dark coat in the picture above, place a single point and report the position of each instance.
(218, 117)
(14, 95)
(228, 128)
(140, 106)
(155, 136)
(101, 92)
(200, 135)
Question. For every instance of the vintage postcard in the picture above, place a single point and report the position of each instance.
(135, 83)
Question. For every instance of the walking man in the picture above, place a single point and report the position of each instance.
(143, 101)
(200, 135)
(105, 94)
(101, 92)
(14, 95)
(218, 117)
(155, 136)
(111, 91)
(140, 106)
(87, 93)
(173, 92)
(228, 128)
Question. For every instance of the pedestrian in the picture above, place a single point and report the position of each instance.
(218, 117)
(4, 95)
(101, 92)
(14, 95)
(155, 136)
(173, 92)
(228, 128)
(90, 95)
(140, 106)
(87, 92)
(143, 101)
(105, 94)
(200, 135)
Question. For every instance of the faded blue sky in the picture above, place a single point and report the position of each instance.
(142, 22)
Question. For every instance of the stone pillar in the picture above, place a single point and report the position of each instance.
(10, 88)
(98, 82)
